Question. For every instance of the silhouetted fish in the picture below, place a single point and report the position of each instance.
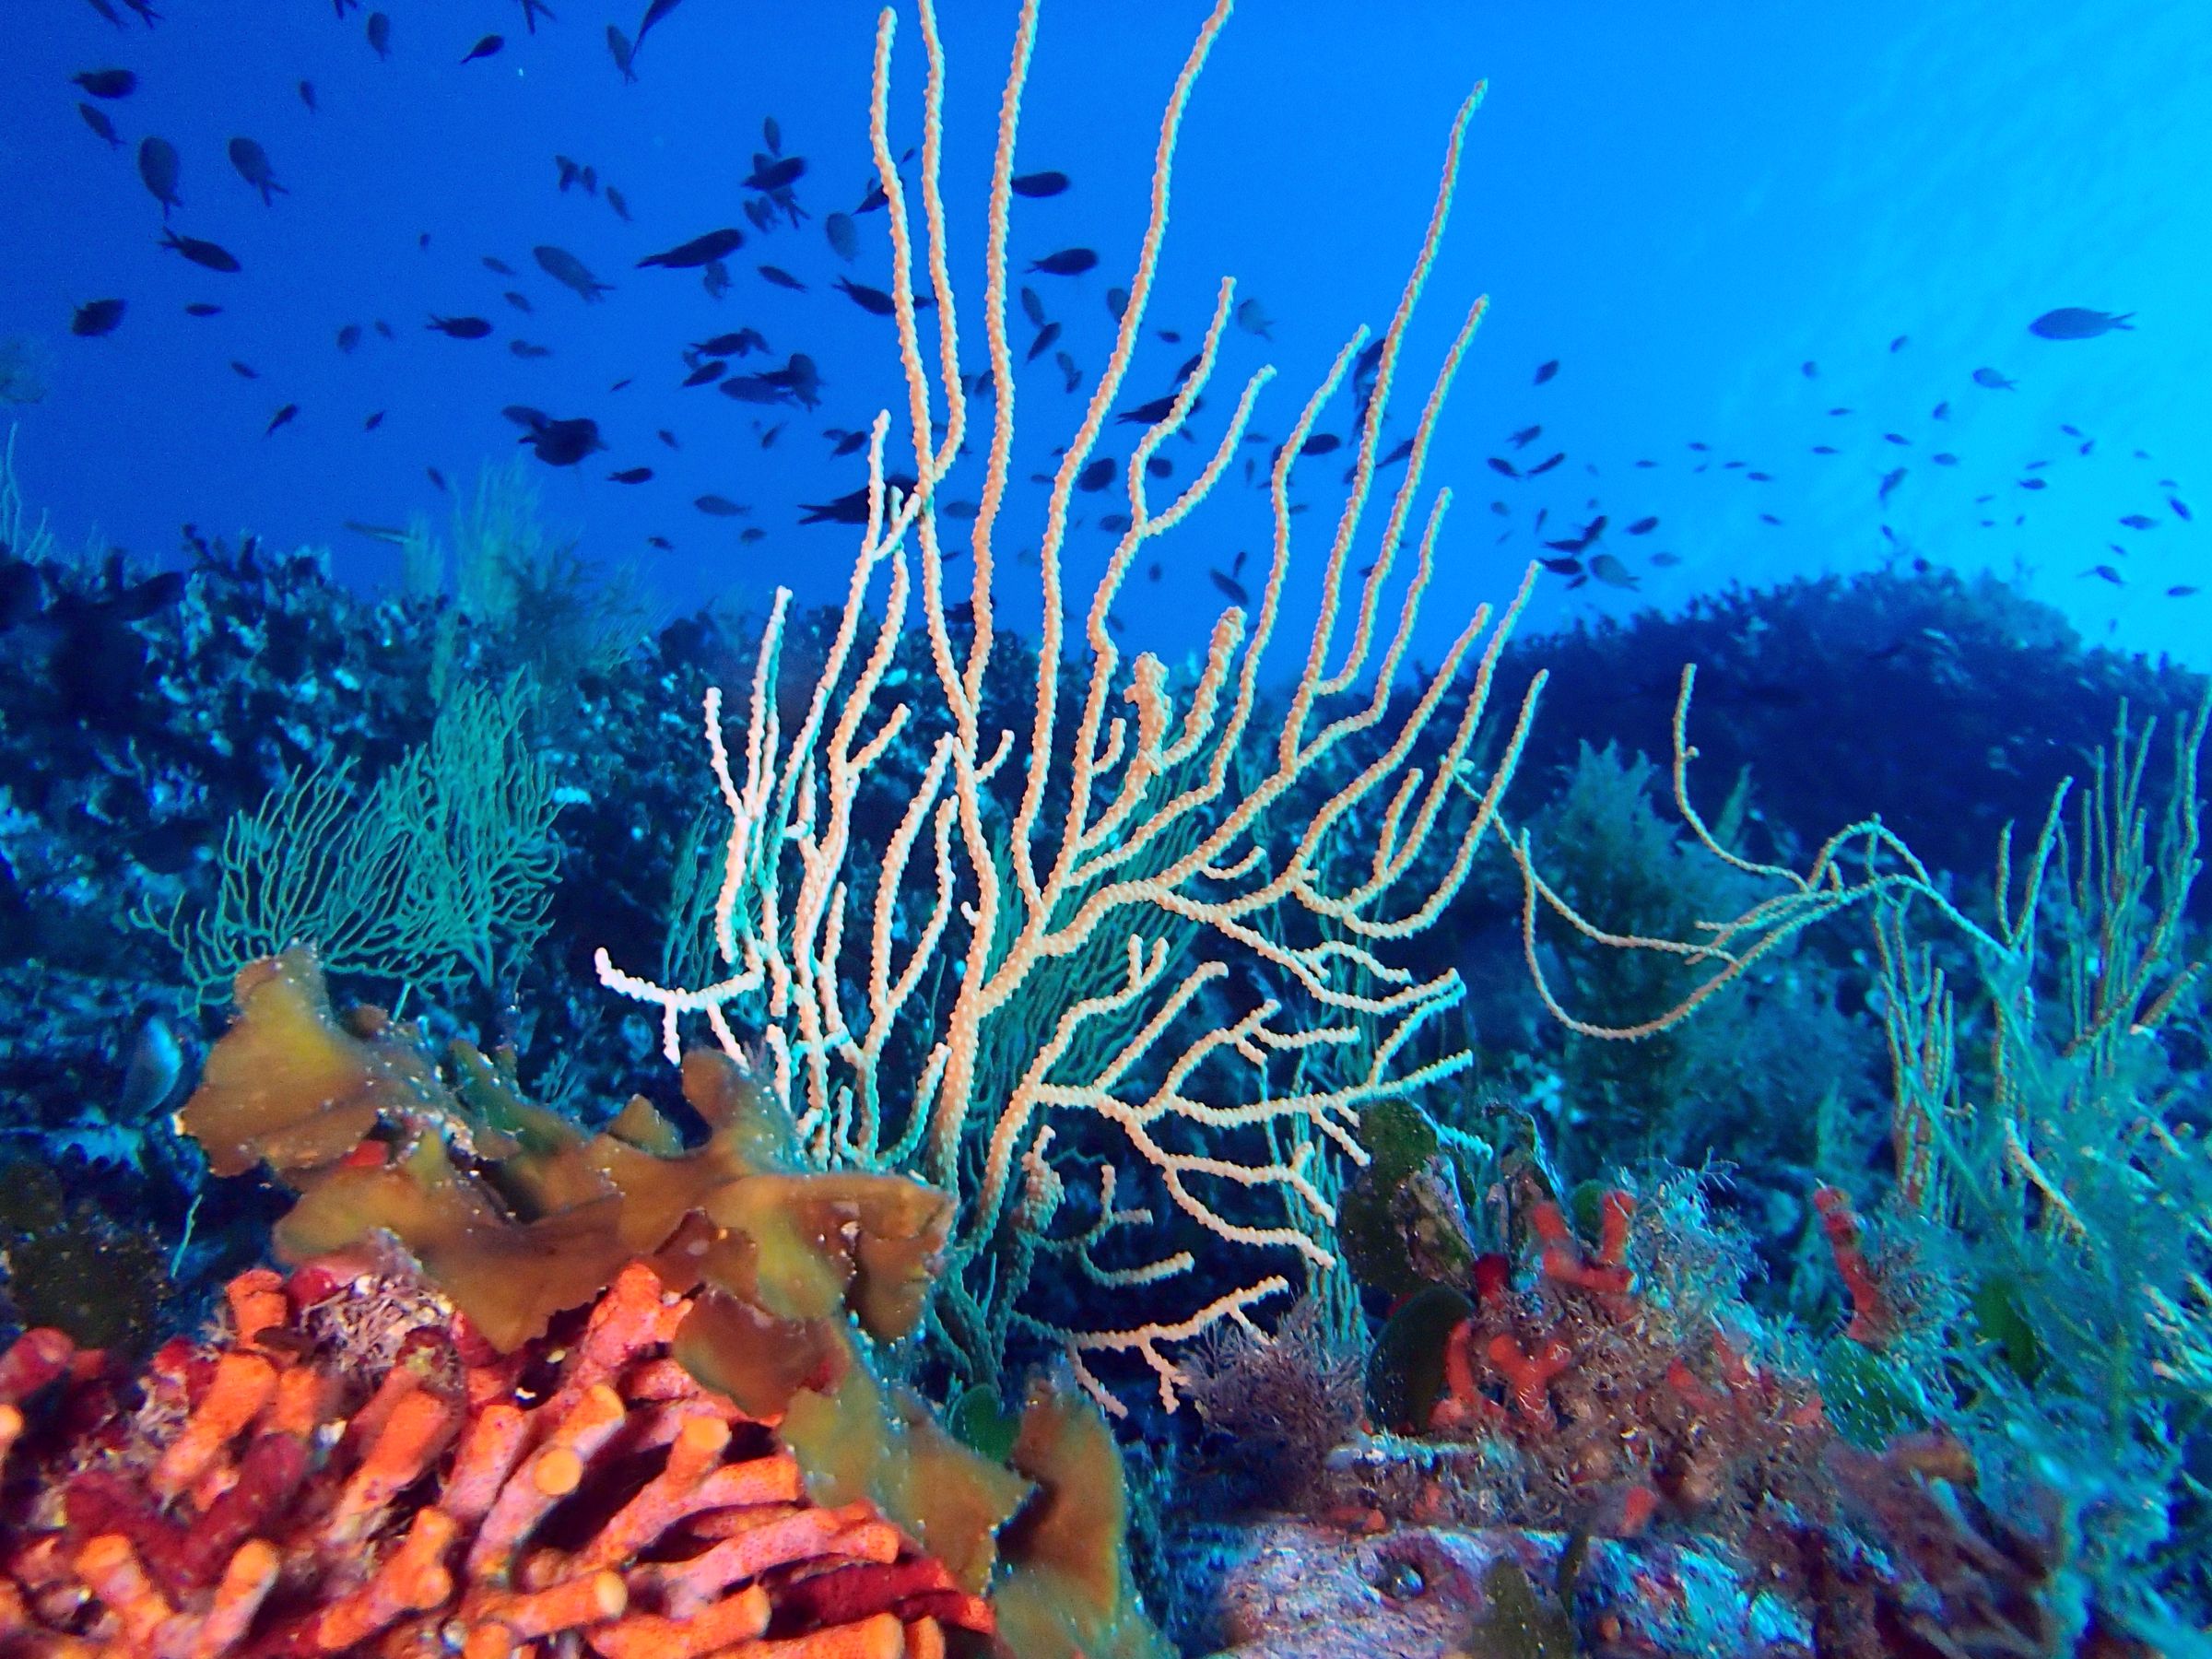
(284, 416)
(563, 442)
(568, 270)
(205, 253)
(460, 328)
(158, 170)
(630, 475)
(2076, 323)
(96, 317)
(307, 94)
(1228, 585)
(699, 250)
(1993, 380)
(379, 32)
(96, 119)
(619, 48)
(654, 14)
(1068, 262)
(1546, 370)
(1040, 184)
(484, 48)
(107, 83)
(773, 173)
(252, 164)
(875, 302)
(781, 278)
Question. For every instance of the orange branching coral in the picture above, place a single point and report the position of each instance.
(295, 1488)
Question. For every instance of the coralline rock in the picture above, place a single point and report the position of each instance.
(1295, 1589)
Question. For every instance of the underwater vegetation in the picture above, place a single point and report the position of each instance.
(735, 1169)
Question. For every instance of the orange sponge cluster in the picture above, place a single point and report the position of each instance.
(351, 1468)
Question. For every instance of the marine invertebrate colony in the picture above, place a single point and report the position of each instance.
(354, 1469)
(1043, 977)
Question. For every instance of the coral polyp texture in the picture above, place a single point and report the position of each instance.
(350, 1467)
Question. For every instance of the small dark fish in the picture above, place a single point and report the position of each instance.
(781, 278)
(716, 506)
(533, 10)
(2033, 483)
(437, 480)
(847, 443)
(1898, 438)
(618, 48)
(485, 48)
(844, 236)
(1944, 458)
(1667, 560)
(107, 83)
(699, 250)
(1611, 571)
(496, 266)
(1499, 464)
(200, 307)
(711, 369)
(373, 421)
(617, 385)
(851, 508)
(654, 14)
(621, 206)
(1562, 567)
(1068, 262)
(245, 371)
(207, 254)
(1899, 343)
(1046, 338)
(630, 475)
(875, 302)
(1993, 380)
(1403, 451)
(1040, 184)
(2108, 573)
(2180, 508)
(2137, 521)
(1890, 480)
(1096, 475)
(96, 119)
(1824, 448)
(1526, 436)
(96, 317)
(379, 32)
(772, 173)
(520, 301)
(1942, 411)
(460, 328)
(1809, 368)
(307, 94)
(524, 349)
(568, 270)
(2180, 593)
(284, 416)
(565, 443)
(2076, 322)
(661, 542)
(1544, 465)
(252, 164)
(668, 438)
(1320, 443)
(158, 170)
(1228, 585)
(1546, 370)
(1760, 477)
(1644, 526)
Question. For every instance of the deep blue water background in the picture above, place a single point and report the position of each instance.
(1682, 205)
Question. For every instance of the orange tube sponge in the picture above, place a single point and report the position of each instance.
(419, 1525)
